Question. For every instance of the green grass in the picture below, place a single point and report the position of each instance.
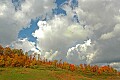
(48, 73)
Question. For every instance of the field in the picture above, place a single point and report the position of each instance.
(49, 73)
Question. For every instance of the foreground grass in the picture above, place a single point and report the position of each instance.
(49, 73)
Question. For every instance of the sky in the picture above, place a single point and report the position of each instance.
(77, 31)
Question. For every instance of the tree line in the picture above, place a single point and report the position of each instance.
(17, 58)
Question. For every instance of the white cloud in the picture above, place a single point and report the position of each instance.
(115, 65)
(11, 22)
(107, 36)
(24, 44)
(81, 53)
(101, 25)
(2, 9)
(112, 34)
(58, 34)
(102, 18)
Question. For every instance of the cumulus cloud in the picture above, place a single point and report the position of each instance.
(12, 21)
(53, 55)
(23, 44)
(107, 36)
(102, 17)
(6, 11)
(112, 34)
(115, 65)
(99, 20)
(80, 53)
(58, 34)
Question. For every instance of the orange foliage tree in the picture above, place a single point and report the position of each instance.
(17, 58)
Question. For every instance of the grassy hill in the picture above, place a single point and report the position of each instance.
(49, 73)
